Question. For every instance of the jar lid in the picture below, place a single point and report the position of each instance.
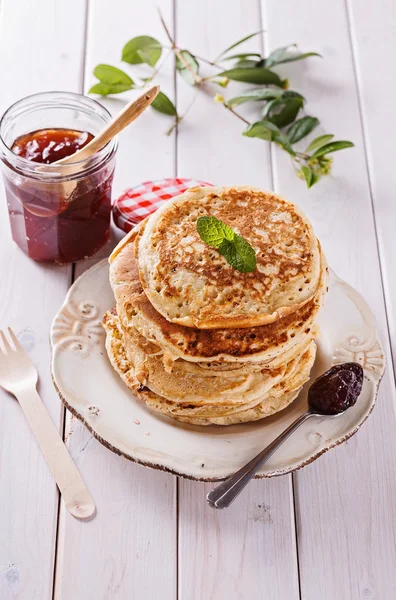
(139, 201)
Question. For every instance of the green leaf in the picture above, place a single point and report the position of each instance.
(221, 81)
(278, 54)
(246, 64)
(332, 147)
(271, 105)
(307, 172)
(112, 76)
(292, 94)
(236, 249)
(287, 114)
(258, 75)
(142, 49)
(298, 56)
(261, 129)
(315, 178)
(255, 95)
(319, 142)
(301, 128)
(242, 56)
(188, 74)
(283, 55)
(213, 231)
(284, 142)
(245, 39)
(163, 105)
(239, 254)
(104, 89)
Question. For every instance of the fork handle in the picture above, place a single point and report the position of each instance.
(77, 498)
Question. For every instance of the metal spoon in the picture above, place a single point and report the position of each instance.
(331, 394)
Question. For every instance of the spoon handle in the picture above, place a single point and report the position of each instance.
(225, 493)
(131, 112)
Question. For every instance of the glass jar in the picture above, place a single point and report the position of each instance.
(58, 213)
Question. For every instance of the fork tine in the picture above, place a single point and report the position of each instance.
(14, 339)
(6, 343)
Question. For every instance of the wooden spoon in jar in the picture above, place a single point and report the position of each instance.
(64, 189)
(132, 111)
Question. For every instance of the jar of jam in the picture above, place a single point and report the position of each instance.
(58, 213)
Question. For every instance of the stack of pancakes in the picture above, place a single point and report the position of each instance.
(199, 341)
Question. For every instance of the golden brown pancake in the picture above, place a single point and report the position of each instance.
(191, 284)
(274, 400)
(259, 344)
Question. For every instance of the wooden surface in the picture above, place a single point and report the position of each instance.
(327, 531)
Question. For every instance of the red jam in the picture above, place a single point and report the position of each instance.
(58, 221)
(46, 146)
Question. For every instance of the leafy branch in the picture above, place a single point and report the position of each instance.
(281, 121)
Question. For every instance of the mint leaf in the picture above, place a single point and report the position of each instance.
(213, 231)
(236, 250)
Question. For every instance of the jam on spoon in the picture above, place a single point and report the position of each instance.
(331, 394)
(336, 390)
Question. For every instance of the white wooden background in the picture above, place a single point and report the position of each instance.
(327, 532)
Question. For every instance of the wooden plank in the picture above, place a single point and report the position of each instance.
(346, 501)
(243, 552)
(373, 35)
(35, 56)
(129, 549)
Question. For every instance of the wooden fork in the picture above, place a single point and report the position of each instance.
(19, 377)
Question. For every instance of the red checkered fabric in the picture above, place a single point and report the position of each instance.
(139, 201)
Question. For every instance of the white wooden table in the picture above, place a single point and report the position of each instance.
(326, 532)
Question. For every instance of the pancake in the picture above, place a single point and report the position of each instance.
(274, 400)
(260, 344)
(192, 284)
(195, 388)
(231, 369)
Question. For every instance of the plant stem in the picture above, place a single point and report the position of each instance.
(158, 69)
(205, 60)
(302, 155)
(209, 62)
(164, 25)
(236, 114)
(199, 81)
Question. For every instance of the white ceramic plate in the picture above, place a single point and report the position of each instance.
(93, 392)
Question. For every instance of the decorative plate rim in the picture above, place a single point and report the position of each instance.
(160, 467)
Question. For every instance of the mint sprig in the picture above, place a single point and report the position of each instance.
(236, 249)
